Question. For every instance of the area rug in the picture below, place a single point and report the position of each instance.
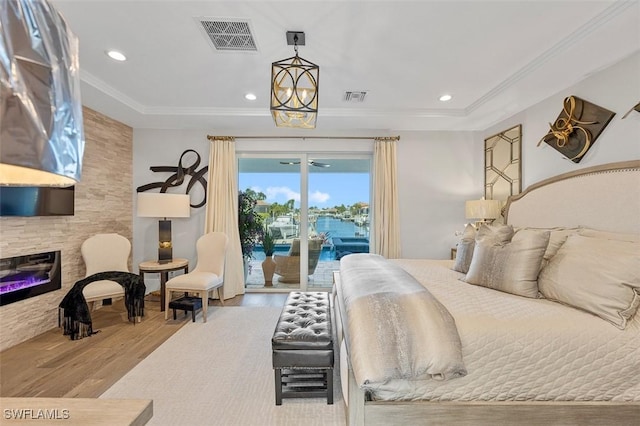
(220, 373)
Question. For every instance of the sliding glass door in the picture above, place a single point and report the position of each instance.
(339, 194)
(274, 184)
(314, 209)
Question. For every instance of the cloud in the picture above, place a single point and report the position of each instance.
(273, 192)
(282, 194)
(319, 197)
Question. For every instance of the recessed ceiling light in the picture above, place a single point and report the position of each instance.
(115, 55)
(250, 96)
(445, 98)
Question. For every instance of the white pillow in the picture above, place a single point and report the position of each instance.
(510, 267)
(597, 275)
(557, 237)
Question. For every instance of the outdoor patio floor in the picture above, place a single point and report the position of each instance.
(321, 278)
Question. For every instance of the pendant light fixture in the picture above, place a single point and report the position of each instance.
(41, 129)
(294, 88)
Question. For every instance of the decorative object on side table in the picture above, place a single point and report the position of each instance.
(268, 265)
(577, 127)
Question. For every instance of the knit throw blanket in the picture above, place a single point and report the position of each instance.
(74, 314)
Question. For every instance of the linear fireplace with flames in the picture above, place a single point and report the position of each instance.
(22, 277)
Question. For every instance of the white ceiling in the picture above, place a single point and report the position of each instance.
(495, 57)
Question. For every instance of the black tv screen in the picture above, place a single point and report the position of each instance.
(36, 201)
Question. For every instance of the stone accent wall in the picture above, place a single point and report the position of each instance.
(103, 204)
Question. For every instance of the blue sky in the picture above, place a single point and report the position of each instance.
(325, 189)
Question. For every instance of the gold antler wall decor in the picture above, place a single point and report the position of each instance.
(577, 127)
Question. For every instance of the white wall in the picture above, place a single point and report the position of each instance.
(163, 148)
(437, 171)
(616, 88)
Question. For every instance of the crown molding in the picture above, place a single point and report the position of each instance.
(562, 46)
(614, 10)
(108, 90)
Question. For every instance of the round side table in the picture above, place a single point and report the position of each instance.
(153, 267)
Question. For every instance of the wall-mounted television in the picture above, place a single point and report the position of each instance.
(37, 201)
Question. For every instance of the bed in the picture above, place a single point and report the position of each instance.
(522, 360)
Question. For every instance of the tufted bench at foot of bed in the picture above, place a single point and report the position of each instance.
(302, 347)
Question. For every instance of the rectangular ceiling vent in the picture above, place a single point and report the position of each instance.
(355, 96)
(229, 35)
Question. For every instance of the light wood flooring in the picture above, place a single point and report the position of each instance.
(52, 365)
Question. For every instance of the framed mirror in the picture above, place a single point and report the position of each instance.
(502, 165)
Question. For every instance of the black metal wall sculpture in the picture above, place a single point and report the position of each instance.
(177, 179)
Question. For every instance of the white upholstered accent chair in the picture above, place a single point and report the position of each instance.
(104, 253)
(208, 274)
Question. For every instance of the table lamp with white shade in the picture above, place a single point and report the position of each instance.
(163, 205)
(483, 211)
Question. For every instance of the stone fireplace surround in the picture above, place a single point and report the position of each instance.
(104, 203)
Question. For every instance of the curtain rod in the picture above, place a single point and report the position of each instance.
(384, 138)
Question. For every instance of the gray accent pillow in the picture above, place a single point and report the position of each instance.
(511, 267)
(464, 249)
(597, 275)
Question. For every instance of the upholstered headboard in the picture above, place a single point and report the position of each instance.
(605, 197)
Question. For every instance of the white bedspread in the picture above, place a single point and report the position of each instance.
(517, 348)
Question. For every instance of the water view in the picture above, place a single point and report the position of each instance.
(336, 204)
(342, 235)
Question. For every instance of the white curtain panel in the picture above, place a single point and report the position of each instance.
(222, 210)
(386, 226)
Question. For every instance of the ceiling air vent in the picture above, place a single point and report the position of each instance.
(355, 96)
(228, 35)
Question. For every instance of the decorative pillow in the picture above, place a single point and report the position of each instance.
(495, 234)
(557, 237)
(597, 275)
(510, 267)
(464, 249)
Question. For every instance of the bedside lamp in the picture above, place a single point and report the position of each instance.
(160, 204)
(483, 211)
